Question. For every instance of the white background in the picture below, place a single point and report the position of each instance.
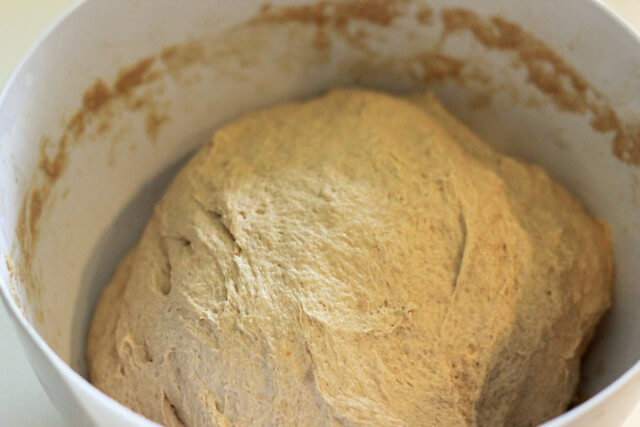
(22, 399)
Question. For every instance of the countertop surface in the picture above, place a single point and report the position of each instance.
(23, 402)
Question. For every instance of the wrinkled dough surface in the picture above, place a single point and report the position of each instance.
(354, 259)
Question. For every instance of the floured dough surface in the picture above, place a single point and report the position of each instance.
(354, 259)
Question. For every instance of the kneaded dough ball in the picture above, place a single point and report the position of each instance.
(354, 259)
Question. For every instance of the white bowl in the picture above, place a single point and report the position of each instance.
(103, 109)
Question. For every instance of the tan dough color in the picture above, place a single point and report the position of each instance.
(354, 259)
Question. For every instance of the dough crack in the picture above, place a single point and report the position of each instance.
(461, 251)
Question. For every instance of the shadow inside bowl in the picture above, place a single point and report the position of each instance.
(112, 246)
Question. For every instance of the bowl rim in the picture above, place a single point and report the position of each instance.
(11, 306)
(85, 386)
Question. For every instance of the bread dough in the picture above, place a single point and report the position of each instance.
(354, 259)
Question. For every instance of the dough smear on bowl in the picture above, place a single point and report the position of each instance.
(354, 259)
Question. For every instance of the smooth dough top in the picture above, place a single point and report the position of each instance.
(354, 259)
